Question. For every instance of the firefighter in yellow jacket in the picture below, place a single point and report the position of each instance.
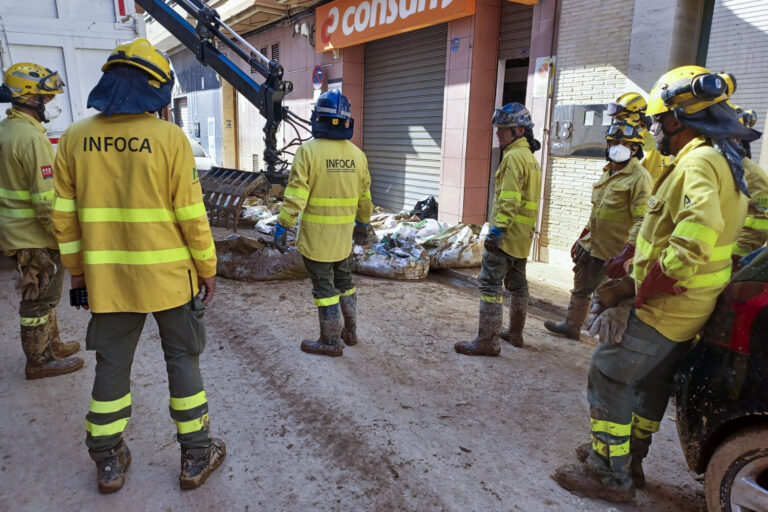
(130, 223)
(329, 193)
(755, 232)
(682, 263)
(631, 106)
(608, 242)
(26, 232)
(513, 221)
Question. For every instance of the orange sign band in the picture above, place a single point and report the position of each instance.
(349, 22)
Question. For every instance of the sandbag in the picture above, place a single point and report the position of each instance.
(392, 258)
(247, 259)
(460, 246)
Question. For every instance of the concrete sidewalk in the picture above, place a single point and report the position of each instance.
(550, 285)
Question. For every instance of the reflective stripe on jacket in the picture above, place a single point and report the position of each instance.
(26, 184)
(692, 221)
(618, 208)
(755, 231)
(329, 186)
(516, 196)
(129, 213)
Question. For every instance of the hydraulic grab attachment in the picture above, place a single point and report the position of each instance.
(225, 190)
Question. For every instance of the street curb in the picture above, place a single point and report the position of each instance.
(539, 303)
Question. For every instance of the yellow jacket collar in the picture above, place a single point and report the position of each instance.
(520, 142)
(12, 113)
(692, 144)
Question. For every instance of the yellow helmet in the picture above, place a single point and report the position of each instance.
(690, 88)
(141, 54)
(626, 105)
(27, 79)
(624, 129)
(747, 117)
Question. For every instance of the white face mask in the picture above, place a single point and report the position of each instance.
(619, 153)
(52, 111)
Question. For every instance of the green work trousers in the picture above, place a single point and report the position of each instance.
(588, 273)
(114, 337)
(330, 280)
(499, 267)
(628, 389)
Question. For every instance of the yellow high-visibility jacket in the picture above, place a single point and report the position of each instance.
(26, 184)
(129, 213)
(516, 198)
(755, 231)
(618, 208)
(329, 186)
(693, 218)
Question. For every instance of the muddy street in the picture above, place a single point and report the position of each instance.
(400, 422)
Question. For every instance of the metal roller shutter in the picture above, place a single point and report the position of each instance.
(515, 31)
(403, 115)
(738, 44)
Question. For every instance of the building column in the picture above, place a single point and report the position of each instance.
(470, 84)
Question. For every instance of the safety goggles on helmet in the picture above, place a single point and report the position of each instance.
(622, 130)
(333, 104)
(27, 79)
(512, 115)
(747, 117)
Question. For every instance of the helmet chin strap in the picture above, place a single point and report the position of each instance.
(38, 109)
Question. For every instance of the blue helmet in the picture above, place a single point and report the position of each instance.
(511, 115)
(333, 104)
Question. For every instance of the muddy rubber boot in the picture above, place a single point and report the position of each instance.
(111, 467)
(41, 363)
(581, 480)
(349, 312)
(198, 464)
(583, 451)
(518, 309)
(487, 342)
(329, 343)
(577, 311)
(60, 350)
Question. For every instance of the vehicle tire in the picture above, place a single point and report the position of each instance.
(737, 474)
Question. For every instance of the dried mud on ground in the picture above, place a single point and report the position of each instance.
(401, 422)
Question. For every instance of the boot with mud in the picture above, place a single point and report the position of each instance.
(582, 480)
(635, 466)
(60, 349)
(329, 343)
(577, 311)
(198, 464)
(41, 363)
(487, 342)
(518, 309)
(111, 466)
(349, 312)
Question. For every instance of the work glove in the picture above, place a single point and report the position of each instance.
(615, 267)
(656, 281)
(360, 233)
(493, 239)
(280, 237)
(609, 327)
(595, 310)
(576, 245)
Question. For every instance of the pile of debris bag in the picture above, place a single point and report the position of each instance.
(248, 259)
(399, 245)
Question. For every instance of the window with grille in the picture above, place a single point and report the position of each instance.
(253, 68)
(255, 162)
(276, 52)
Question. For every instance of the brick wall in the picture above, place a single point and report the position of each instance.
(592, 59)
